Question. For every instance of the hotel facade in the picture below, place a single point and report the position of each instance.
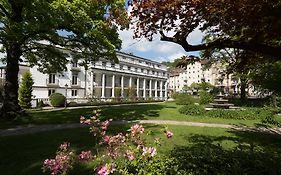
(103, 79)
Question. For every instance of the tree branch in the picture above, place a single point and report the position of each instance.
(4, 10)
(226, 43)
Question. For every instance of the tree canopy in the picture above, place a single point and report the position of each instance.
(244, 24)
(32, 29)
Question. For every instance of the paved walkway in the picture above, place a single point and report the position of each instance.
(95, 106)
(42, 128)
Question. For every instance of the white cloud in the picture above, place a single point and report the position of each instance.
(156, 49)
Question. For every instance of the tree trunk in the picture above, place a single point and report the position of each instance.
(11, 108)
(243, 89)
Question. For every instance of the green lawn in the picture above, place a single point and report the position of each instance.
(161, 111)
(24, 154)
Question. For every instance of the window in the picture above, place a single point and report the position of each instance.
(74, 64)
(74, 80)
(51, 91)
(121, 67)
(112, 65)
(142, 70)
(74, 92)
(103, 64)
(52, 78)
(94, 77)
(129, 68)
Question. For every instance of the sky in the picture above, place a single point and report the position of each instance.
(157, 50)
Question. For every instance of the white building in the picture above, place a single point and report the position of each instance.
(102, 80)
(196, 73)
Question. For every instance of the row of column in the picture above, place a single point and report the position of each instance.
(138, 89)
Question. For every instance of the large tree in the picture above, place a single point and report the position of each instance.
(31, 29)
(252, 25)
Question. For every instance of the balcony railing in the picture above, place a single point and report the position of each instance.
(52, 82)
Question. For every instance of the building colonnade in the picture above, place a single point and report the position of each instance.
(107, 85)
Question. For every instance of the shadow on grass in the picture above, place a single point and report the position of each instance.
(129, 112)
(134, 112)
(256, 154)
(24, 155)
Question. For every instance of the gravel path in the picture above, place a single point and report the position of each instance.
(42, 128)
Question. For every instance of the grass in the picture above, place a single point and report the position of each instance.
(24, 154)
(161, 111)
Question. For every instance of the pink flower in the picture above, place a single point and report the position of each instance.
(106, 169)
(130, 155)
(137, 129)
(169, 134)
(104, 125)
(82, 119)
(85, 156)
(64, 146)
(149, 151)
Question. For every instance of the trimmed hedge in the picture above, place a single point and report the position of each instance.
(57, 100)
(184, 99)
(205, 97)
(194, 110)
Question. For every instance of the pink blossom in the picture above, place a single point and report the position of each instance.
(64, 146)
(85, 156)
(106, 169)
(169, 134)
(149, 151)
(137, 129)
(82, 119)
(60, 164)
(104, 125)
(130, 155)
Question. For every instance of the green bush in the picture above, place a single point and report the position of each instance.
(57, 100)
(192, 110)
(247, 114)
(25, 90)
(174, 95)
(72, 104)
(41, 104)
(205, 97)
(184, 99)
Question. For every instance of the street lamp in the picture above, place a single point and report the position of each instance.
(65, 102)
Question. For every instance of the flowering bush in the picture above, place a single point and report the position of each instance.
(125, 153)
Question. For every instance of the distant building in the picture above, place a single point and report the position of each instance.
(102, 79)
(196, 73)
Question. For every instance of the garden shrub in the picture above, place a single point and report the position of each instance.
(25, 90)
(205, 97)
(184, 99)
(57, 100)
(125, 153)
(41, 104)
(174, 95)
(192, 110)
(72, 104)
(247, 114)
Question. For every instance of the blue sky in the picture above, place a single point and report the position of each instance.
(157, 50)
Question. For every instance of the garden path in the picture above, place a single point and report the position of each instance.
(30, 129)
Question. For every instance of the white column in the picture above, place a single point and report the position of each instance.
(161, 89)
(144, 88)
(122, 86)
(156, 90)
(103, 86)
(92, 83)
(150, 88)
(113, 86)
(130, 82)
(138, 87)
(166, 90)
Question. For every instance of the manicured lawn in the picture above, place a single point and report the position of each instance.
(24, 154)
(161, 111)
